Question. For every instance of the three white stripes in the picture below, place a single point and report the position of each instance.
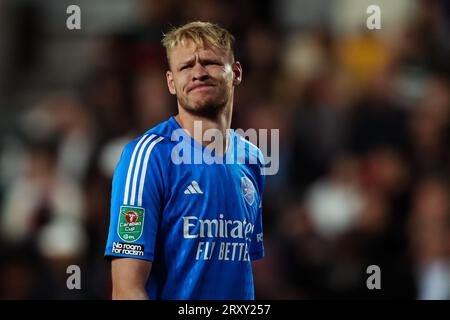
(139, 150)
(193, 188)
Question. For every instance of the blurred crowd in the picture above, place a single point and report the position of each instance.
(364, 119)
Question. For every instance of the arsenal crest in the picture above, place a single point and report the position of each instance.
(248, 190)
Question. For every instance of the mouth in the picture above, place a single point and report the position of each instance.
(200, 87)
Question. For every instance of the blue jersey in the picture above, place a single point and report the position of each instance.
(200, 224)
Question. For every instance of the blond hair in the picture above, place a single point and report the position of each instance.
(202, 34)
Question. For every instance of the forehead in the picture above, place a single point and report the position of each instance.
(189, 49)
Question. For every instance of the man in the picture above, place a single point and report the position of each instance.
(189, 230)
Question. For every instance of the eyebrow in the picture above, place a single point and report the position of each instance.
(203, 60)
(186, 62)
(209, 59)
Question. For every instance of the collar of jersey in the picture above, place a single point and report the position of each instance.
(231, 141)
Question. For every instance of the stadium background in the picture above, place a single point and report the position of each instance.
(364, 119)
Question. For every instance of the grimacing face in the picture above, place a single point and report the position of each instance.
(203, 79)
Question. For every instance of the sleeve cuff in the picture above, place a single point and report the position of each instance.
(146, 256)
(257, 255)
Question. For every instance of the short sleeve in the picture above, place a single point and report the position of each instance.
(257, 243)
(136, 200)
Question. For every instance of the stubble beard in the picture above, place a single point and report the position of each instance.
(209, 109)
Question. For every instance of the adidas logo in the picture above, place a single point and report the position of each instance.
(193, 188)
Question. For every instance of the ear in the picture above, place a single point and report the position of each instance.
(237, 73)
(170, 83)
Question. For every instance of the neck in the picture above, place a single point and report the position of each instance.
(220, 122)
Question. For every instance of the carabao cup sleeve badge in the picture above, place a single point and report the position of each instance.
(131, 223)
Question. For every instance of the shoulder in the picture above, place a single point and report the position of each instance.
(155, 141)
(151, 149)
(252, 153)
(252, 158)
(144, 146)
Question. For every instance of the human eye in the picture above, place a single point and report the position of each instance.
(185, 66)
(213, 63)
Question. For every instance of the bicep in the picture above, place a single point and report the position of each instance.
(129, 277)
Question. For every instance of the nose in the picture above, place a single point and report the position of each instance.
(199, 73)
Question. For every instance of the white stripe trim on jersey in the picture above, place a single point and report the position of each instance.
(144, 169)
(136, 169)
(130, 169)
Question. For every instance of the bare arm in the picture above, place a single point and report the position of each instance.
(129, 277)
